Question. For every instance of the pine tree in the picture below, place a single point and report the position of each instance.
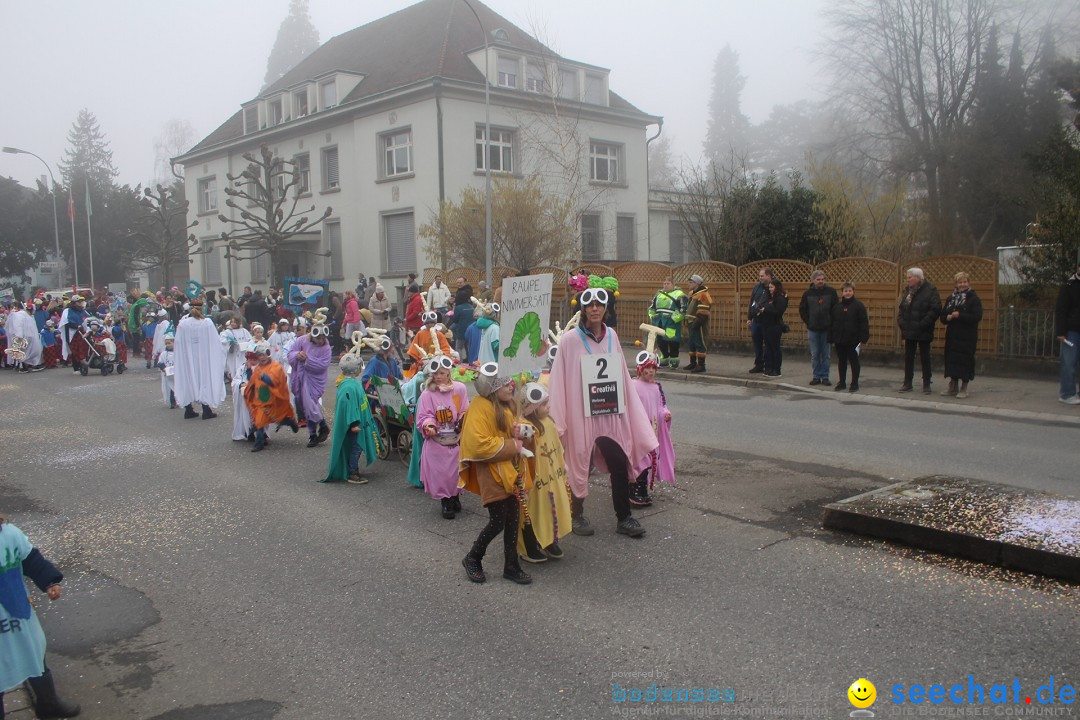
(727, 125)
(295, 39)
(661, 163)
(88, 155)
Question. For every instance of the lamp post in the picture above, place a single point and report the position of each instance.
(52, 191)
(487, 147)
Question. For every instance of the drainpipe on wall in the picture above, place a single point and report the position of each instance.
(439, 148)
(648, 215)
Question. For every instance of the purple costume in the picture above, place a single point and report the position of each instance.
(308, 381)
(439, 459)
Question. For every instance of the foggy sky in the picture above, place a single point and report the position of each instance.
(137, 65)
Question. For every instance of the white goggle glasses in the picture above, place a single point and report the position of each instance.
(430, 317)
(440, 363)
(320, 331)
(489, 369)
(645, 356)
(594, 295)
(385, 343)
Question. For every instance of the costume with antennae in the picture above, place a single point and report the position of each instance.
(310, 362)
(355, 432)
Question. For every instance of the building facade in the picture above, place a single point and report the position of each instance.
(388, 120)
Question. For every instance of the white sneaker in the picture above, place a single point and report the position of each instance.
(1074, 400)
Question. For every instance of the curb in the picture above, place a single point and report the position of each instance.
(755, 384)
(851, 515)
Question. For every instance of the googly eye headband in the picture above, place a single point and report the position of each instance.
(594, 296)
(646, 359)
(431, 317)
(320, 331)
(437, 363)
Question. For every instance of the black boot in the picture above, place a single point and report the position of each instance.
(172, 400)
(700, 364)
(456, 502)
(471, 563)
(313, 440)
(324, 431)
(207, 413)
(189, 412)
(448, 508)
(45, 701)
(639, 493)
(513, 571)
(693, 363)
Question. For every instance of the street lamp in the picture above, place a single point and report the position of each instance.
(52, 190)
(487, 146)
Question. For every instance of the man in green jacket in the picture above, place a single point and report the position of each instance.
(667, 311)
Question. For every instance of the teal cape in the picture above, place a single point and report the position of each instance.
(351, 407)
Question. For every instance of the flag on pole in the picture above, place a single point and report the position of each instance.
(89, 211)
(71, 207)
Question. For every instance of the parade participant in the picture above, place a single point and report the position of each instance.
(697, 322)
(667, 311)
(463, 314)
(164, 325)
(310, 361)
(3, 340)
(411, 390)
(200, 364)
(165, 361)
(430, 340)
(280, 340)
(258, 333)
(21, 324)
(41, 315)
(658, 465)
(267, 395)
(612, 431)
(488, 326)
(355, 431)
(438, 415)
(148, 327)
(235, 341)
(242, 428)
(548, 501)
(22, 643)
(137, 317)
(491, 447)
(50, 346)
(72, 346)
(383, 364)
(380, 307)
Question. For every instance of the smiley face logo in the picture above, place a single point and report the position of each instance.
(862, 693)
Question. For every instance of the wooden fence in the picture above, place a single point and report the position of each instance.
(878, 284)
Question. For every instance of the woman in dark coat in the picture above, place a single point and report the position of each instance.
(771, 318)
(918, 315)
(850, 329)
(961, 315)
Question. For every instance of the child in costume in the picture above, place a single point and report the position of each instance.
(267, 395)
(22, 643)
(660, 463)
(438, 415)
(429, 340)
(354, 427)
(241, 426)
(257, 332)
(280, 342)
(165, 361)
(50, 346)
(411, 390)
(548, 501)
(491, 467)
(309, 358)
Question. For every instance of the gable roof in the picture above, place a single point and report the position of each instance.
(429, 39)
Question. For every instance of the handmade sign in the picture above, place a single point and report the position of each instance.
(526, 314)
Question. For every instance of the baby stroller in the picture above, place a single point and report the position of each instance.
(393, 417)
(101, 351)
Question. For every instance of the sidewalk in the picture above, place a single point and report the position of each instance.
(1033, 400)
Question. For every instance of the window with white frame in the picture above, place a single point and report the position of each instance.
(300, 103)
(568, 84)
(280, 181)
(327, 94)
(590, 237)
(399, 236)
(330, 168)
(333, 246)
(625, 245)
(397, 152)
(508, 72)
(208, 195)
(594, 89)
(275, 112)
(535, 78)
(502, 150)
(251, 119)
(303, 174)
(604, 162)
(211, 265)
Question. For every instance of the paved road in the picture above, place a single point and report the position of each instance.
(206, 582)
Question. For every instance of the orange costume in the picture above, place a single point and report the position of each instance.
(268, 402)
(426, 339)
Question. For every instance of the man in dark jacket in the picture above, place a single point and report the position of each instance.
(815, 309)
(758, 296)
(1067, 326)
(463, 314)
(920, 308)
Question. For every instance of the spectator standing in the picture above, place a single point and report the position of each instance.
(666, 312)
(815, 309)
(439, 297)
(352, 316)
(463, 314)
(850, 331)
(758, 296)
(961, 316)
(920, 308)
(380, 307)
(414, 309)
(1067, 324)
(483, 292)
(698, 312)
(773, 327)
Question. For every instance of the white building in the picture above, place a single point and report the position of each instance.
(387, 120)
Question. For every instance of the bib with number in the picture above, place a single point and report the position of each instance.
(602, 387)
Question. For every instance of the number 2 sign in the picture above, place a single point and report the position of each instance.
(602, 384)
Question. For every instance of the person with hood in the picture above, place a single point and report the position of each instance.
(200, 364)
(267, 395)
(355, 432)
(920, 308)
(310, 357)
(666, 312)
(21, 324)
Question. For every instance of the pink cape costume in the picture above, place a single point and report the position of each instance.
(664, 455)
(439, 463)
(308, 381)
(632, 430)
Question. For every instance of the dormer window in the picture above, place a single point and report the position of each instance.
(274, 112)
(568, 84)
(535, 78)
(594, 89)
(327, 94)
(251, 119)
(508, 72)
(300, 103)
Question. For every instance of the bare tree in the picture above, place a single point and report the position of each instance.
(176, 138)
(160, 239)
(266, 195)
(714, 204)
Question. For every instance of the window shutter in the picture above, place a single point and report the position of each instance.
(590, 237)
(212, 267)
(400, 243)
(330, 161)
(251, 120)
(333, 246)
(624, 231)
